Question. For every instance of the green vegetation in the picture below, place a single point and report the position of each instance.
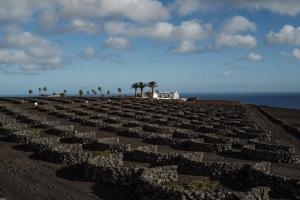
(152, 85)
(119, 91)
(142, 86)
(198, 185)
(100, 90)
(174, 185)
(204, 185)
(37, 130)
(30, 92)
(45, 89)
(80, 92)
(135, 86)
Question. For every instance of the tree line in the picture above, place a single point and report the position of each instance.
(138, 85)
(142, 85)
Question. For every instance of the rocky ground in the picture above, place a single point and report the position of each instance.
(26, 176)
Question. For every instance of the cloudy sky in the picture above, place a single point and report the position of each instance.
(184, 45)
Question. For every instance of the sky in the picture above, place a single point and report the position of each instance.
(192, 46)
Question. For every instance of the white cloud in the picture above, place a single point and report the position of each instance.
(117, 43)
(29, 51)
(238, 24)
(84, 26)
(240, 41)
(142, 11)
(253, 57)
(81, 15)
(139, 11)
(88, 53)
(136, 10)
(91, 53)
(287, 35)
(187, 30)
(296, 53)
(186, 47)
(8, 56)
(225, 75)
(160, 30)
(286, 7)
(19, 10)
(23, 39)
(185, 7)
(48, 19)
(192, 30)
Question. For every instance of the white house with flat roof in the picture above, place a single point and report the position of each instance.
(166, 95)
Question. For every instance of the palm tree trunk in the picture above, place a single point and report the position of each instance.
(141, 92)
(152, 89)
(135, 92)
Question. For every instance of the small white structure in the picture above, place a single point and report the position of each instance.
(166, 95)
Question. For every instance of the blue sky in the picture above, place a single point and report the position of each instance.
(184, 45)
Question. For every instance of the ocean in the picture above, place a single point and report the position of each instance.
(284, 100)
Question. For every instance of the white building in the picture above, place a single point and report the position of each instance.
(166, 95)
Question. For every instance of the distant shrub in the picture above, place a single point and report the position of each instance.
(203, 185)
(197, 185)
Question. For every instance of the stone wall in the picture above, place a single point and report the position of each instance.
(112, 175)
(151, 186)
(149, 154)
(159, 175)
(106, 159)
(111, 144)
(274, 155)
(281, 187)
(199, 145)
(65, 154)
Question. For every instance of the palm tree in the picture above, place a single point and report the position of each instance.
(45, 90)
(88, 93)
(142, 86)
(94, 92)
(152, 85)
(80, 92)
(108, 92)
(135, 86)
(65, 92)
(40, 91)
(30, 92)
(99, 89)
(119, 90)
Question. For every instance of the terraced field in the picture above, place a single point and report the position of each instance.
(126, 148)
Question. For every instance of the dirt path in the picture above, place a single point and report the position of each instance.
(277, 130)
